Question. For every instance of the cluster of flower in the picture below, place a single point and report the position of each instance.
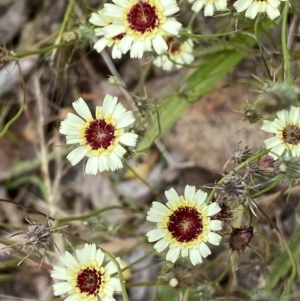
(137, 26)
(185, 224)
(101, 138)
(149, 26)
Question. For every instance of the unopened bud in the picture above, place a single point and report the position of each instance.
(239, 239)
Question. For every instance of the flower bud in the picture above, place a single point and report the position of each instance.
(239, 238)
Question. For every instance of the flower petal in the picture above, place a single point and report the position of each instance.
(82, 109)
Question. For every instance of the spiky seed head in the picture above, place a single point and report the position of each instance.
(233, 187)
(38, 237)
(251, 113)
(241, 155)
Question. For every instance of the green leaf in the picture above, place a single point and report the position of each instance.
(202, 81)
(283, 262)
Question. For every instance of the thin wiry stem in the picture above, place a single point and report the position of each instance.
(43, 151)
(284, 45)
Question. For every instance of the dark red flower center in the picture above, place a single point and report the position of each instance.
(291, 134)
(142, 17)
(173, 46)
(89, 281)
(185, 224)
(99, 134)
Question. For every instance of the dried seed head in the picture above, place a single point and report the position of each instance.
(38, 237)
(239, 238)
(251, 113)
(241, 155)
(233, 187)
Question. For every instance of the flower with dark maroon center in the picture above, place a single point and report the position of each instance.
(179, 53)
(99, 138)
(85, 278)
(144, 24)
(99, 134)
(142, 17)
(184, 225)
(291, 134)
(286, 130)
(89, 280)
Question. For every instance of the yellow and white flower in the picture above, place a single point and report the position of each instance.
(253, 7)
(209, 6)
(178, 54)
(143, 23)
(101, 20)
(184, 225)
(85, 278)
(286, 130)
(99, 138)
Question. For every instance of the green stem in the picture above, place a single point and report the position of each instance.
(144, 283)
(294, 269)
(138, 260)
(274, 184)
(66, 19)
(285, 50)
(120, 275)
(209, 36)
(38, 51)
(158, 283)
(189, 27)
(213, 49)
(25, 166)
(139, 177)
(60, 221)
(9, 123)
